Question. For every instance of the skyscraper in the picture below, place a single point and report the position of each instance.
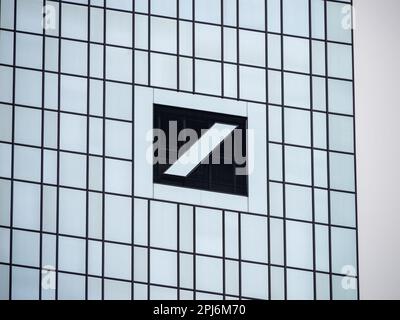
(84, 213)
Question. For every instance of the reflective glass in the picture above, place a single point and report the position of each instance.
(163, 225)
(298, 165)
(295, 17)
(29, 51)
(299, 245)
(254, 238)
(252, 48)
(254, 281)
(119, 28)
(163, 35)
(298, 202)
(297, 127)
(163, 268)
(25, 250)
(208, 41)
(296, 54)
(118, 222)
(208, 231)
(74, 20)
(341, 133)
(118, 261)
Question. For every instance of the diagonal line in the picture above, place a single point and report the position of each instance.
(200, 149)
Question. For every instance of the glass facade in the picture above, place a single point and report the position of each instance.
(75, 222)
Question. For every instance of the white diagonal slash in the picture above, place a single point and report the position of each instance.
(200, 149)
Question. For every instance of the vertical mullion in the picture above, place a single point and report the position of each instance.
(178, 278)
(312, 149)
(237, 52)
(354, 150)
(283, 154)
(104, 151)
(222, 50)
(42, 158)
(148, 249)
(240, 253)
(327, 147)
(12, 151)
(87, 154)
(267, 148)
(149, 43)
(133, 157)
(177, 47)
(58, 146)
(223, 257)
(193, 47)
(194, 253)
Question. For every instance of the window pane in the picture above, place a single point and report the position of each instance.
(74, 21)
(74, 57)
(252, 14)
(208, 77)
(343, 209)
(72, 213)
(341, 133)
(340, 63)
(72, 169)
(71, 254)
(342, 171)
(299, 285)
(252, 84)
(163, 70)
(28, 87)
(297, 90)
(296, 54)
(340, 96)
(208, 41)
(119, 28)
(118, 139)
(117, 172)
(163, 35)
(163, 225)
(164, 7)
(295, 17)
(254, 238)
(339, 22)
(297, 127)
(73, 132)
(254, 281)
(208, 231)
(208, 11)
(29, 51)
(118, 218)
(298, 165)
(299, 245)
(73, 94)
(119, 64)
(252, 48)
(25, 248)
(343, 250)
(71, 287)
(118, 101)
(163, 267)
(25, 283)
(298, 203)
(118, 261)
(26, 213)
(27, 170)
(208, 274)
(28, 126)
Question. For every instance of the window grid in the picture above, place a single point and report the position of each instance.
(12, 179)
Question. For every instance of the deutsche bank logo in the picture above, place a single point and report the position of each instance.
(200, 149)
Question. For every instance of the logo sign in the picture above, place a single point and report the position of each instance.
(199, 149)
